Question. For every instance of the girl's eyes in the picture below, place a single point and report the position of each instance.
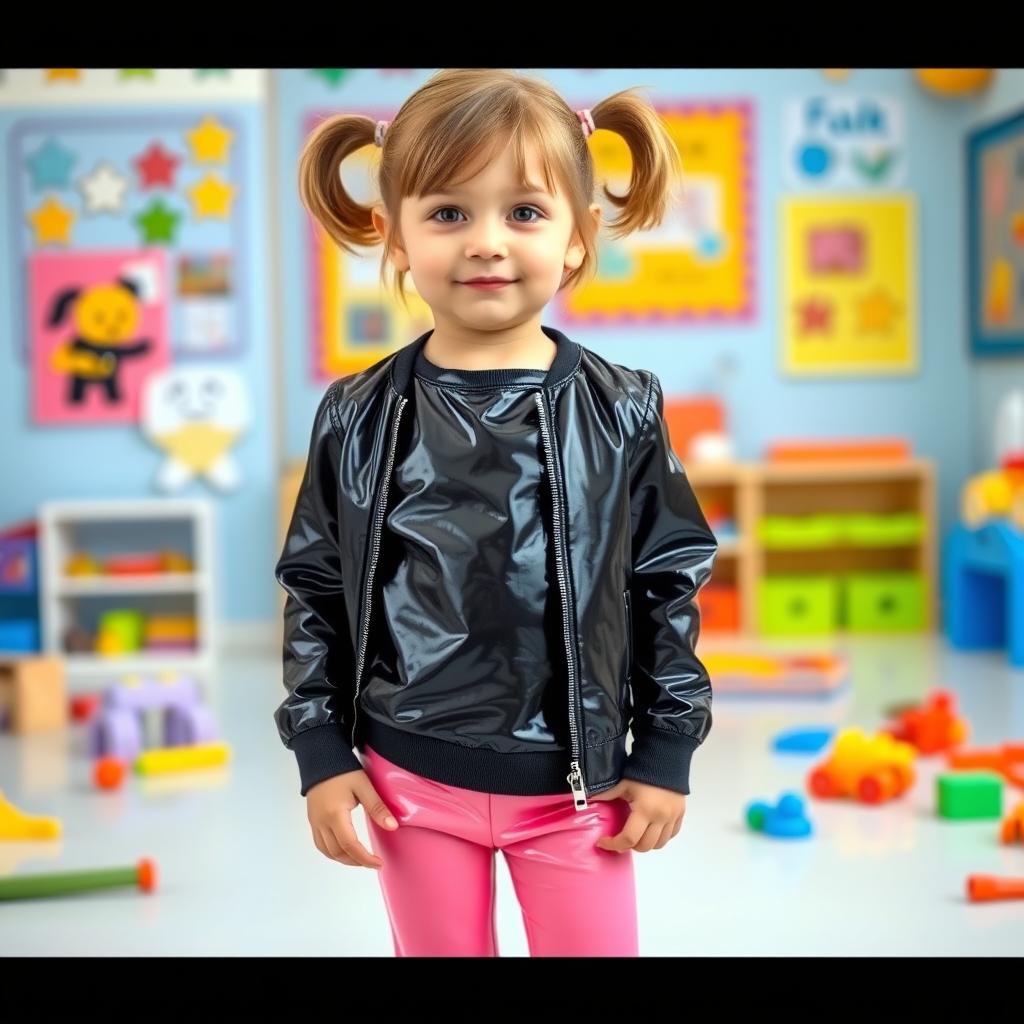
(444, 208)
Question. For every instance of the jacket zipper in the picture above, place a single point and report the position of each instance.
(575, 777)
(378, 519)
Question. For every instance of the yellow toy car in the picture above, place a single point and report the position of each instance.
(870, 769)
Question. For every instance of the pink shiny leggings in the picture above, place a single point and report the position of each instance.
(438, 873)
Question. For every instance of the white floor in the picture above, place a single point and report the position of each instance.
(239, 874)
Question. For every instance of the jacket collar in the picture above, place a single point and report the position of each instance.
(565, 363)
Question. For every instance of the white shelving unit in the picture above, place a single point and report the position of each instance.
(127, 527)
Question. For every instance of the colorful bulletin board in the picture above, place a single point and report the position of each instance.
(698, 265)
(159, 194)
(849, 292)
(995, 214)
(355, 321)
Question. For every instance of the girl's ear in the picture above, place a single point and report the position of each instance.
(575, 253)
(398, 255)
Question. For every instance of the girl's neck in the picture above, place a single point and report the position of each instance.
(525, 353)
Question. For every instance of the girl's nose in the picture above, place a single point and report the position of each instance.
(486, 241)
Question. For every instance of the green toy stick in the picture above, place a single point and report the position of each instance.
(61, 883)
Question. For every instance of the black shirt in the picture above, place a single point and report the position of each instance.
(472, 474)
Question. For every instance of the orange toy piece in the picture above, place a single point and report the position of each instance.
(871, 769)
(992, 887)
(109, 772)
(1008, 760)
(932, 726)
(1012, 830)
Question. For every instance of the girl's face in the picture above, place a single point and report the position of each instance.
(488, 226)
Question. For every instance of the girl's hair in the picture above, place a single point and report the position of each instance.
(455, 123)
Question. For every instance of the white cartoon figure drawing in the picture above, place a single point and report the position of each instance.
(196, 414)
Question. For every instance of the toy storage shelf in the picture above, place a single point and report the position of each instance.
(752, 491)
(124, 527)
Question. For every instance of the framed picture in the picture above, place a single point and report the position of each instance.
(995, 217)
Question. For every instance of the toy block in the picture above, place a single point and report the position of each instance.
(970, 795)
(32, 694)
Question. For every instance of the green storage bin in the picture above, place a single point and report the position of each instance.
(795, 605)
(877, 530)
(800, 531)
(884, 601)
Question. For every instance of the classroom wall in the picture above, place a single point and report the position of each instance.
(940, 408)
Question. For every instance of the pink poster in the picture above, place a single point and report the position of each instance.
(99, 328)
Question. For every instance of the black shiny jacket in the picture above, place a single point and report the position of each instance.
(631, 549)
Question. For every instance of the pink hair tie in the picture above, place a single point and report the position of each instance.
(378, 132)
(587, 121)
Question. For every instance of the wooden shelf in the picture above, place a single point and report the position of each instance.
(753, 490)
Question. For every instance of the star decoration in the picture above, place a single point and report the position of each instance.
(158, 222)
(68, 74)
(815, 315)
(210, 141)
(103, 189)
(876, 312)
(52, 222)
(211, 197)
(155, 166)
(51, 165)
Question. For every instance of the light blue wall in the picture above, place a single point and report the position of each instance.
(43, 463)
(938, 409)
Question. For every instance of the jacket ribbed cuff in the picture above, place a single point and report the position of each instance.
(322, 752)
(661, 758)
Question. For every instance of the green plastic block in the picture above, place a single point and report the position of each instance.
(966, 795)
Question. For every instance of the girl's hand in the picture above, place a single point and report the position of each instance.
(329, 809)
(656, 815)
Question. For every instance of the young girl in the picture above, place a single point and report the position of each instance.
(487, 592)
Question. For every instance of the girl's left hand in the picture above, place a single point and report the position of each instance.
(656, 816)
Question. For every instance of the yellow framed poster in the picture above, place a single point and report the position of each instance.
(698, 264)
(849, 288)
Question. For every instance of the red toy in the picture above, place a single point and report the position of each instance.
(108, 772)
(932, 726)
(1012, 830)
(1008, 760)
(84, 705)
(992, 887)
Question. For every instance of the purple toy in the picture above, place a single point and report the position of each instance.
(117, 729)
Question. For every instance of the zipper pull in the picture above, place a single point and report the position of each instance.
(575, 779)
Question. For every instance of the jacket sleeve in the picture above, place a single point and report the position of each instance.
(318, 659)
(673, 553)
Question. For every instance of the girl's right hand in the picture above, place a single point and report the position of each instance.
(329, 807)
